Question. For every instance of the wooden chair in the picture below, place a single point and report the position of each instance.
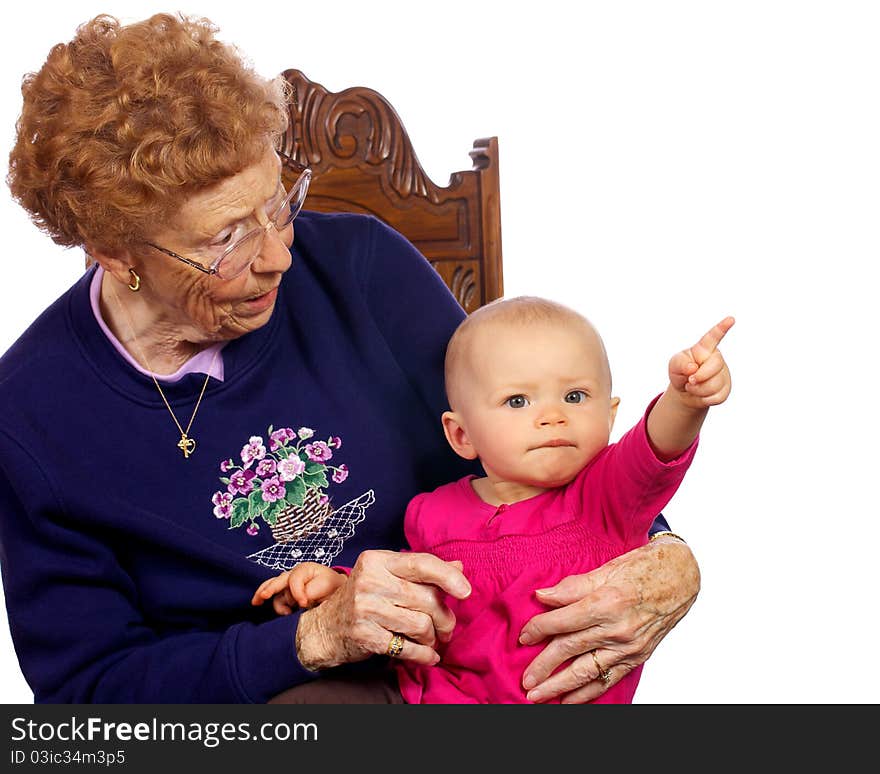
(363, 161)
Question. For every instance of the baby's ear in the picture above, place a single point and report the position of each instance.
(612, 413)
(457, 435)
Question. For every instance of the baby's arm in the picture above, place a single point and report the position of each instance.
(698, 378)
(306, 584)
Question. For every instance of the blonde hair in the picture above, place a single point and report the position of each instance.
(518, 310)
(123, 123)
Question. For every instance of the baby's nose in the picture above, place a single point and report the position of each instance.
(552, 416)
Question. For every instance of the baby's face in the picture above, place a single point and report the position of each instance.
(535, 400)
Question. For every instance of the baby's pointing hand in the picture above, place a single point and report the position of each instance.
(700, 374)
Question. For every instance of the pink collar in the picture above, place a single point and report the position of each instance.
(197, 364)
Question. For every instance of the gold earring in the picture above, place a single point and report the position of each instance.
(135, 285)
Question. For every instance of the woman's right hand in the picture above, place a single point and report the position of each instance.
(387, 593)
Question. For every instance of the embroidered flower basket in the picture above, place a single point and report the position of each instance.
(282, 486)
(295, 522)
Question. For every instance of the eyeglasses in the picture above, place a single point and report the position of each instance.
(238, 257)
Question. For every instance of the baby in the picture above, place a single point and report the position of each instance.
(529, 388)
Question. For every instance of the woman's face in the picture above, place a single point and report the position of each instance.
(204, 307)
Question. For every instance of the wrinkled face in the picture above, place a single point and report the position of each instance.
(535, 400)
(208, 222)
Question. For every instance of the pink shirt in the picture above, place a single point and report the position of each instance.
(508, 551)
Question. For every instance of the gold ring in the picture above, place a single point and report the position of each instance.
(395, 647)
(604, 674)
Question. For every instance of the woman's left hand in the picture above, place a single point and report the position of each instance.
(621, 610)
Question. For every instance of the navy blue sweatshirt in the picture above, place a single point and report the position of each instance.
(127, 569)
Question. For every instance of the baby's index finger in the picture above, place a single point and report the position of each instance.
(710, 340)
(269, 587)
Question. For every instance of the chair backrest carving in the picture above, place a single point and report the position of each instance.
(363, 161)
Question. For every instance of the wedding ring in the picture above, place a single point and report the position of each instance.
(604, 674)
(395, 647)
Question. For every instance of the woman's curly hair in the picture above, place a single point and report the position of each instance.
(123, 123)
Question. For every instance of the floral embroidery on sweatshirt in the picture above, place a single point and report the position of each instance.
(285, 488)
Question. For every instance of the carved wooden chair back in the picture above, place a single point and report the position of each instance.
(362, 160)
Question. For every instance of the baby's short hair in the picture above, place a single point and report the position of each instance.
(517, 310)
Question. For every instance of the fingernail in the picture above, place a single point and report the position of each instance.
(544, 592)
(525, 639)
(534, 695)
(529, 682)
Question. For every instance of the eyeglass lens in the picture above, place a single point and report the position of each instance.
(243, 253)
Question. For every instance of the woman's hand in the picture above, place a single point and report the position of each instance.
(387, 593)
(621, 611)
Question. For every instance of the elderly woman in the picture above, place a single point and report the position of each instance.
(215, 400)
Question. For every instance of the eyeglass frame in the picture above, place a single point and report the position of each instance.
(304, 179)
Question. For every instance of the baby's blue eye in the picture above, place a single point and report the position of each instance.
(517, 401)
(576, 396)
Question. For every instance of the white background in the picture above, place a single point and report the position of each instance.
(662, 165)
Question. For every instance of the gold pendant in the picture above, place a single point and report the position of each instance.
(186, 445)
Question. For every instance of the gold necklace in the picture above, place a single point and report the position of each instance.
(186, 444)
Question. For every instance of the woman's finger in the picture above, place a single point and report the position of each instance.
(592, 690)
(405, 649)
(419, 580)
(416, 611)
(416, 624)
(578, 673)
(572, 588)
(427, 568)
(559, 650)
(585, 678)
(383, 599)
(573, 617)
